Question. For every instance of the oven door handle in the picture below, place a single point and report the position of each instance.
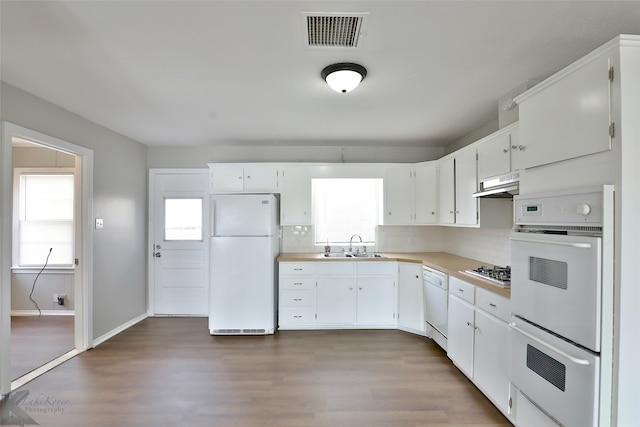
(578, 245)
(549, 346)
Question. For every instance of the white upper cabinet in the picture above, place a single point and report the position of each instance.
(446, 191)
(247, 178)
(494, 152)
(295, 197)
(411, 194)
(567, 115)
(457, 183)
(466, 185)
(399, 195)
(426, 192)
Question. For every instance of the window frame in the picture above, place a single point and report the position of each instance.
(379, 214)
(18, 172)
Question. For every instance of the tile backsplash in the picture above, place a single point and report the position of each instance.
(486, 245)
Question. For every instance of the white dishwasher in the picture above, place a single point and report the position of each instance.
(436, 304)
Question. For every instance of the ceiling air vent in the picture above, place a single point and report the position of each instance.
(331, 30)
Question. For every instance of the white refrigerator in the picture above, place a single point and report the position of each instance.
(244, 247)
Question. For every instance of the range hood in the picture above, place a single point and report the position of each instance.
(503, 186)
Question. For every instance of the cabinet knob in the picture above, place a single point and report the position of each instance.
(504, 150)
(433, 213)
(468, 323)
(389, 213)
(521, 147)
(513, 147)
(492, 305)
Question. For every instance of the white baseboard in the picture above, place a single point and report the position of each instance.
(112, 333)
(44, 313)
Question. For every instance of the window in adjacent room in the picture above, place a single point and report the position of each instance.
(43, 217)
(344, 207)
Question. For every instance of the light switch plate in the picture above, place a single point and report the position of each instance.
(99, 223)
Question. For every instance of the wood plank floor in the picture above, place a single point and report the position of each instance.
(170, 372)
(36, 340)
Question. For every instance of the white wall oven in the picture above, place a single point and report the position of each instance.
(558, 302)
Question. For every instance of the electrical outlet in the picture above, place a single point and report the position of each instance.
(55, 298)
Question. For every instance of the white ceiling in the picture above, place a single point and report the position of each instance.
(184, 73)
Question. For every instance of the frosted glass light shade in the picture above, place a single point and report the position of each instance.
(344, 77)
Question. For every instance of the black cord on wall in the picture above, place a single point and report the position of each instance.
(36, 279)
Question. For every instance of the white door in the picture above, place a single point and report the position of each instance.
(179, 243)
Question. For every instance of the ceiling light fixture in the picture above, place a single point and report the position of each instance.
(343, 77)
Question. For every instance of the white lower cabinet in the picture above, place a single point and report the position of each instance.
(478, 341)
(460, 339)
(410, 298)
(344, 294)
(336, 300)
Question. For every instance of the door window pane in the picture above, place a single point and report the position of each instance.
(183, 219)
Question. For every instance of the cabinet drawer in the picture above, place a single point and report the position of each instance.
(296, 316)
(494, 304)
(462, 289)
(377, 268)
(297, 299)
(336, 268)
(297, 282)
(297, 268)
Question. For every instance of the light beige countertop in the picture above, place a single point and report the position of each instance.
(452, 265)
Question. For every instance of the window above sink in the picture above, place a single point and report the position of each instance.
(343, 207)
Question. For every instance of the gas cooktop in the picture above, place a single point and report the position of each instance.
(500, 275)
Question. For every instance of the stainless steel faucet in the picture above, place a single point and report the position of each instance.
(351, 242)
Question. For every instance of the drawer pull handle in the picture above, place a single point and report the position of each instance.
(492, 305)
(297, 316)
(297, 269)
(297, 284)
(297, 299)
(460, 290)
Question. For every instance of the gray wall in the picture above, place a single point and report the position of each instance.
(120, 197)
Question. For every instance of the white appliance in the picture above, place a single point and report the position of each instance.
(557, 304)
(244, 246)
(436, 304)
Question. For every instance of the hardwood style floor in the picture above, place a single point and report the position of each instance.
(36, 340)
(171, 372)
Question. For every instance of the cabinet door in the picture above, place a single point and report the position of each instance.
(494, 156)
(426, 193)
(567, 119)
(336, 301)
(461, 334)
(376, 301)
(411, 298)
(295, 197)
(226, 179)
(446, 191)
(491, 358)
(260, 179)
(466, 184)
(399, 196)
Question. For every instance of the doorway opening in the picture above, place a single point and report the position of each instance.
(45, 255)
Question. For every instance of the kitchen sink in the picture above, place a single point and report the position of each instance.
(350, 255)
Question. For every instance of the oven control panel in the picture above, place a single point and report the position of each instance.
(581, 207)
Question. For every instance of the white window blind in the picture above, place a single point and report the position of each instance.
(344, 207)
(45, 219)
